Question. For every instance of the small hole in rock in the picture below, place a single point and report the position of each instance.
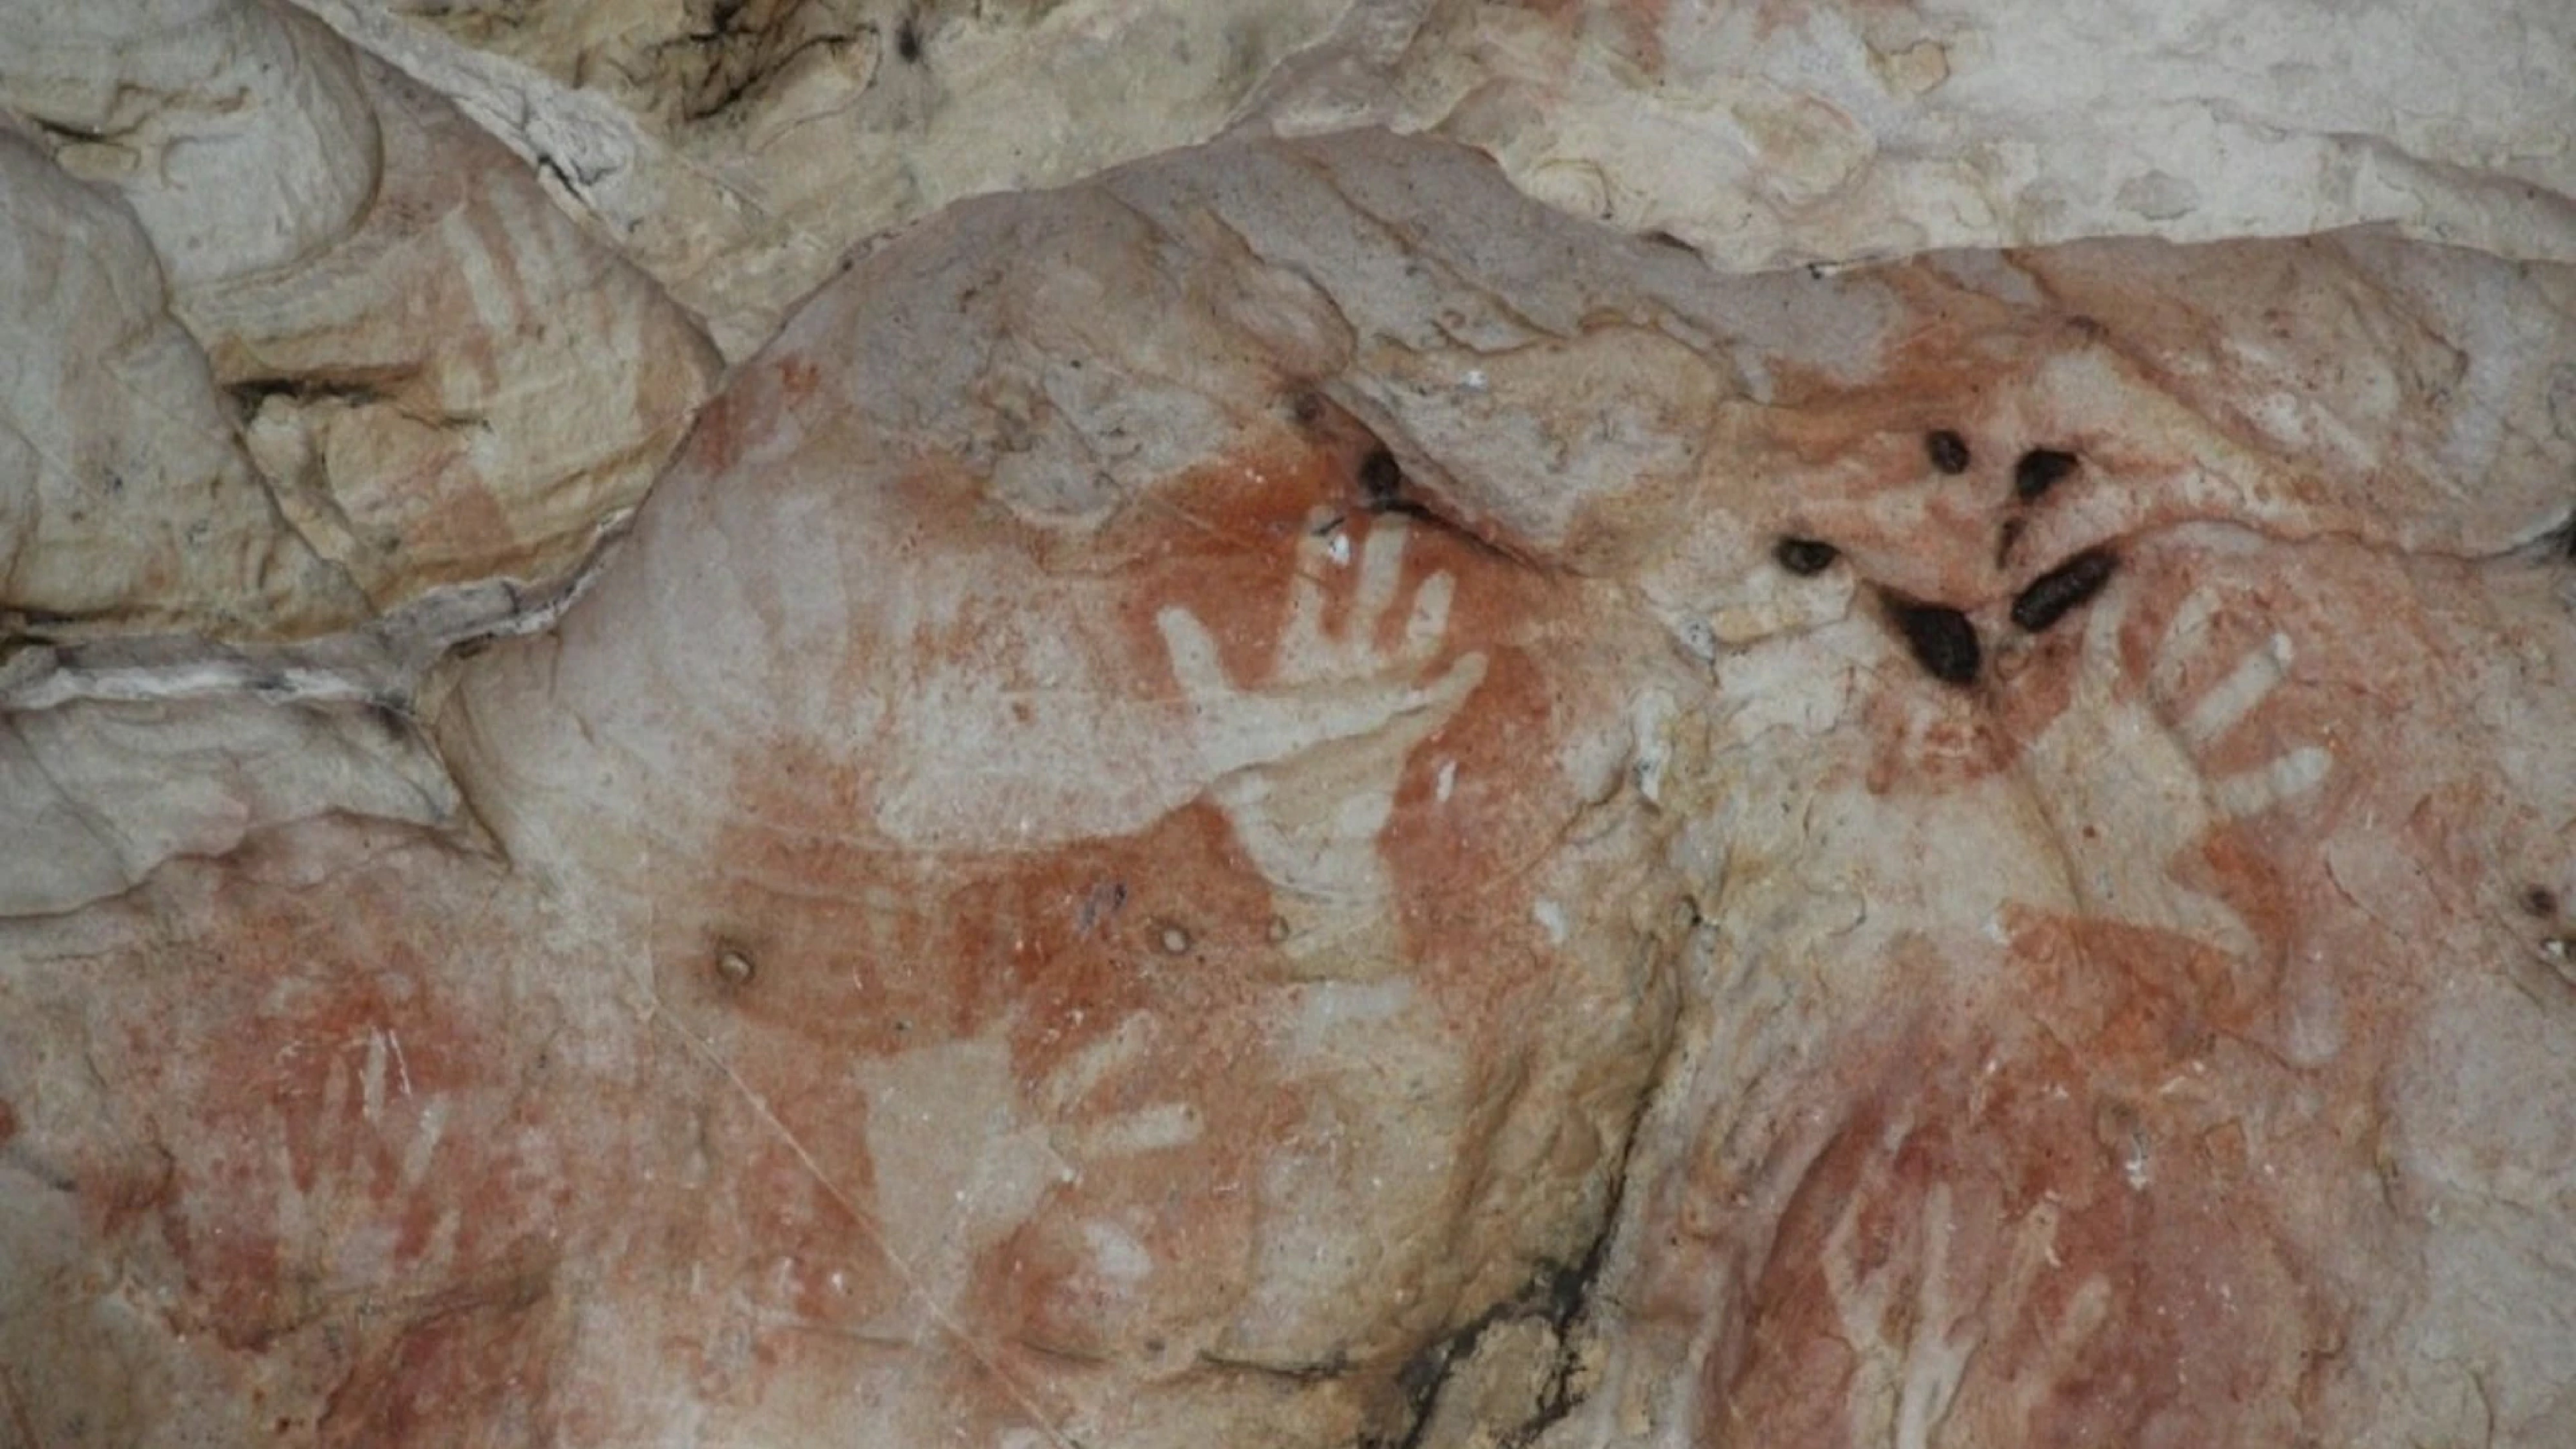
(1805, 557)
(1940, 638)
(1947, 450)
(1381, 478)
(2039, 470)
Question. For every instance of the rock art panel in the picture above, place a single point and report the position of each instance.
(1290, 798)
(1233, 941)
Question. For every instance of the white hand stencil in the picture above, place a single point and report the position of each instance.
(2131, 755)
(1305, 764)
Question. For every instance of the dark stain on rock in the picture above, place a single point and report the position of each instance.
(1381, 479)
(2039, 470)
(1947, 450)
(2066, 587)
(1805, 557)
(1941, 638)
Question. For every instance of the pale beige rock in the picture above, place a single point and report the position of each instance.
(102, 793)
(464, 388)
(438, 380)
(735, 152)
(239, 134)
(126, 503)
(1782, 133)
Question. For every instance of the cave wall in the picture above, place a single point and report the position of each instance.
(1433, 725)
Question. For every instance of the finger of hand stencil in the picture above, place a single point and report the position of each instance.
(1430, 617)
(2189, 625)
(1381, 570)
(1441, 698)
(2224, 704)
(2286, 776)
(1302, 647)
(1194, 657)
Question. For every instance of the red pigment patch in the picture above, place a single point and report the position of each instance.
(1233, 568)
(1929, 738)
(857, 952)
(746, 411)
(859, 949)
(814, 946)
(293, 1092)
(469, 1364)
(1222, 542)
(1462, 867)
(2024, 1204)
(2134, 996)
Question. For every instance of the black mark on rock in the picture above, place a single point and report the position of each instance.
(1805, 557)
(1381, 478)
(2562, 539)
(1943, 640)
(2541, 901)
(1382, 491)
(2039, 470)
(1948, 451)
(2062, 588)
(907, 40)
(389, 715)
(1104, 900)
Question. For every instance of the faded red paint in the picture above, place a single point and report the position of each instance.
(468, 1364)
(1981, 1177)
(845, 949)
(279, 1158)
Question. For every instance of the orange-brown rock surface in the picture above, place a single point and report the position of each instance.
(1279, 798)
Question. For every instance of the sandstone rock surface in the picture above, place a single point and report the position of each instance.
(1289, 794)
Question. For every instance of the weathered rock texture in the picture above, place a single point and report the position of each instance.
(1291, 795)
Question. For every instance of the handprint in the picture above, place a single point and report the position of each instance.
(1912, 1386)
(335, 1179)
(2131, 755)
(1306, 764)
(966, 1152)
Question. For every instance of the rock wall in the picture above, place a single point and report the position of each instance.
(1425, 726)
